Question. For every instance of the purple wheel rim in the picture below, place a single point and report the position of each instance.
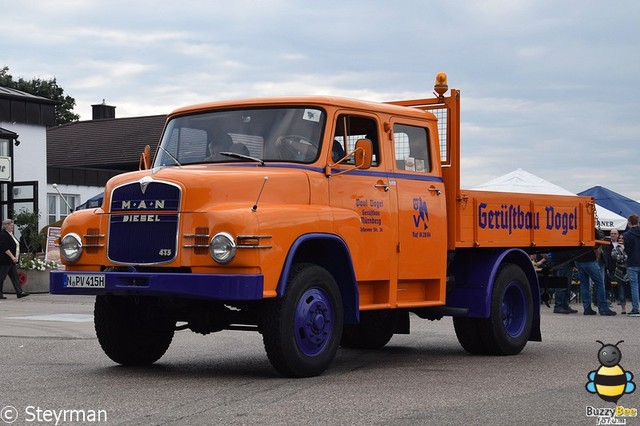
(514, 312)
(313, 324)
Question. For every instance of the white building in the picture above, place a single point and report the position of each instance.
(24, 119)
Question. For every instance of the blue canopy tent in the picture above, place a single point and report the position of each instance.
(91, 203)
(613, 201)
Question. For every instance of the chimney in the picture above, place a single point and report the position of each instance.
(103, 111)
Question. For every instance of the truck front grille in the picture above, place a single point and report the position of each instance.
(143, 228)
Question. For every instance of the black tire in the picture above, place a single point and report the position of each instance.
(468, 333)
(373, 332)
(301, 330)
(509, 325)
(132, 333)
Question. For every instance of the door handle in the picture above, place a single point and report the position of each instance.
(434, 189)
(382, 185)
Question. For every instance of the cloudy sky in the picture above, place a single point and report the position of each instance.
(552, 86)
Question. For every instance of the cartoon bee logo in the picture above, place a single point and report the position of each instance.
(610, 381)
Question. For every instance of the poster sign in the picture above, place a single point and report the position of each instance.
(52, 252)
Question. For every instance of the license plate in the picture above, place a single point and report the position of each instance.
(84, 280)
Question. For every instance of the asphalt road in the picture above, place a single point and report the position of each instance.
(52, 366)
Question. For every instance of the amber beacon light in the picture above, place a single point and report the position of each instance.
(441, 86)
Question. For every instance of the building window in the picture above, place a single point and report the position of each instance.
(17, 197)
(57, 207)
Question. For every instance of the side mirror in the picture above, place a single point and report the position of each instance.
(145, 159)
(363, 153)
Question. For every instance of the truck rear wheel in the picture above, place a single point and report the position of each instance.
(301, 330)
(468, 334)
(508, 327)
(373, 332)
(132, 333)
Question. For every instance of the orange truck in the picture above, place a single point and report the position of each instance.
(319, 222)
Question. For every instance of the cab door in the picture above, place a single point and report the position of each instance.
(363, 209)
(422, 232)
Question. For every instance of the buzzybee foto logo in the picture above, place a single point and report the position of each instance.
(610, 382)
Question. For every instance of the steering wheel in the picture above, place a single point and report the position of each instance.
(296, 148)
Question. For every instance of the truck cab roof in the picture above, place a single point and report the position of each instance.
(324, 101)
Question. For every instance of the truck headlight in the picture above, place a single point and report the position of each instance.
(222, 248)
(71, 247)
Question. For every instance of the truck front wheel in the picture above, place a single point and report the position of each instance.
(301, 330)
(508, 327)
(132, 333)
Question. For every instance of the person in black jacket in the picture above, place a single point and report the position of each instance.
(9, 255)
(609, 262)
(632, 249)
(619, 257)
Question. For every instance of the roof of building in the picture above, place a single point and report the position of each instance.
(103, 144)
(8, 92)
(4, 133)
(21, 107)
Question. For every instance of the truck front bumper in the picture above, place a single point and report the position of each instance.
(197, 286)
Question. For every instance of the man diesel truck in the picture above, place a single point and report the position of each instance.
(319, 222)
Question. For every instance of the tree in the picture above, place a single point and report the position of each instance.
(30, 239)
(47, 89)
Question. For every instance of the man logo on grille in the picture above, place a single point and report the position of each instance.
(144, 182)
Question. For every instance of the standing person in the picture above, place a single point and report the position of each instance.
(562, 266)
(588, 267)
(607, 251)
(609, 262)
(9, 254)
(620, 272)
(632, 249)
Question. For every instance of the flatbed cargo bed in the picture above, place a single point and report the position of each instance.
(498, 219)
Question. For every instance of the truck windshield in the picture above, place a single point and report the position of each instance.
(290, 134)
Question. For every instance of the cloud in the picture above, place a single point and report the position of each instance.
(548, 86)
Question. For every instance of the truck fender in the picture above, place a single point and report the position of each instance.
(474, 273)
(332, 253)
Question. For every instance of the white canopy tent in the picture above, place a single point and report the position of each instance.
(609, 220)
(522, 181)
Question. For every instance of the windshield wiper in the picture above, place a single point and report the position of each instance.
(243, 157)
(172, 157)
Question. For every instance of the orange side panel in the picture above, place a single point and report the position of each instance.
(499, 219)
